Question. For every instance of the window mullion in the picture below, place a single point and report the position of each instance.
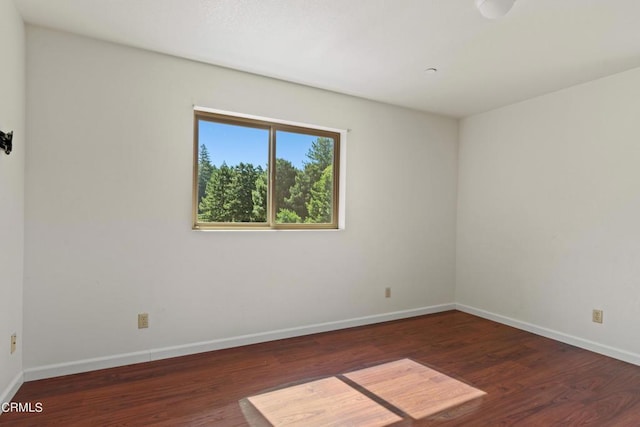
(271, 188)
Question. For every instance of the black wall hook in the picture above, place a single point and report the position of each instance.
(5, 141)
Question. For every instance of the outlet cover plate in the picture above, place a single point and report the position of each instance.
(597, 316)
(143, 320)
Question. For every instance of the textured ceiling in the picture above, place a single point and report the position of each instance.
(377, 49)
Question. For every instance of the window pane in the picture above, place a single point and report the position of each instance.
(304, 178)
(232, 173)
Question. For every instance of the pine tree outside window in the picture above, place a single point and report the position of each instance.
(256, 174)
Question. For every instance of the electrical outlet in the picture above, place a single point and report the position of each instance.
(143, 320)
(387, 293)
(597, 316)
(14, 343)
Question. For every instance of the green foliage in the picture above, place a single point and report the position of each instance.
(259, 195)
(321, 156)
(320, 203)
(239, 193)
(321, 153)
(287, 216)
(285, 179)
(229, 196)
(204, 172)
(215, 205)
(299, 193)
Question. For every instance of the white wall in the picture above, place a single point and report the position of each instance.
(549, 212)
(109, 197)
(12, 117)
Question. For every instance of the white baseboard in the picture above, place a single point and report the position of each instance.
(86, 365)
(78, 366)
(12, 389)
(606, 350)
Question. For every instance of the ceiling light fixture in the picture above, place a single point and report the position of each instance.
(494, 9)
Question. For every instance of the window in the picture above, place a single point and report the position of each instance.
(259, 174)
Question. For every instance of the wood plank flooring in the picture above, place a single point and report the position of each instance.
(529, 380)
(324, 402)
(413, 388)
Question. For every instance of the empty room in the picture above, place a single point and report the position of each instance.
(320, 212)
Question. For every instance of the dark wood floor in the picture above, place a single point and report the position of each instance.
(529, 380)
